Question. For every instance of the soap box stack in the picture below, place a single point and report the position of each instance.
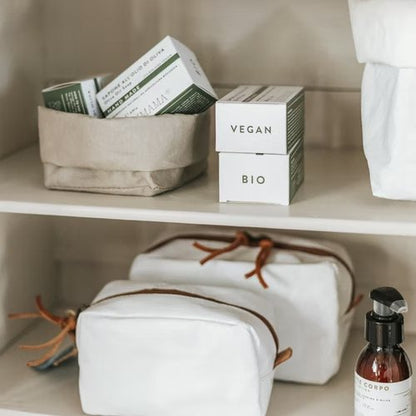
(259, 137)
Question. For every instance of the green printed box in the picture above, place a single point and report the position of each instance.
(265, 178)
(260, 119)
(76, 96)
(167, 79)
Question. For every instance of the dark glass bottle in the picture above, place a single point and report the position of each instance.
(383, 364)
(383, 371)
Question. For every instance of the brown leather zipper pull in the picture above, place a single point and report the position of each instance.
(283, 356)
(241, 239)
(266, 246)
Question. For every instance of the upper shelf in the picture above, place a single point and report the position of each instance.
(335, 197)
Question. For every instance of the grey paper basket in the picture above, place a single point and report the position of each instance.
(127, 156)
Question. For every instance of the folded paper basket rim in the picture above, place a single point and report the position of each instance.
(116, 119)
(145, 143)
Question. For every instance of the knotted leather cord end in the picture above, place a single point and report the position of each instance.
(72, 354)
(241, 239)
(67, 325)
(283, 356)
(259, 275)
(266, 246)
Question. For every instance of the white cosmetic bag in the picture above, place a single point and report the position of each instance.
(163, 350)
(385, 37)
(310, 284)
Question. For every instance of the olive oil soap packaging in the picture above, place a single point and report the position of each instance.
(167, 79)
(259, 137)
(383, 376)
(76, 96)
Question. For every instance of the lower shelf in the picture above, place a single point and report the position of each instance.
(25, 392)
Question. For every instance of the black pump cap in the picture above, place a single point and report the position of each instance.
(384, 324)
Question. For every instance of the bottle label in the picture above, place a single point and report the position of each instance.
(382, 399)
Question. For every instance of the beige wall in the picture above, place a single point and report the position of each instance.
(238, 41)
(96, 36)
(26, 261)
(27, 268)
(298, 42)
(21, 72)
(268, 41)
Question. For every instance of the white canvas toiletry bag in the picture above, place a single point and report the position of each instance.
(385, 37)
(172, 350)
(310, 284)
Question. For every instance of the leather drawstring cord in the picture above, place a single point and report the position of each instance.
(266, 246)
(67, 325)
(241, 239)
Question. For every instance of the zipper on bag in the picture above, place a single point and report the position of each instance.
(280, 357)
(247, 240)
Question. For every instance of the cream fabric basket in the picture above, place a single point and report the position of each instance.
(162, 350)
(310, 284)
(127, 156)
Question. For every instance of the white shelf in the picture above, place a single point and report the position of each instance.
(26, 392)
(335, 197)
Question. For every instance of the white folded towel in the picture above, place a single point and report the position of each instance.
(385, 31)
